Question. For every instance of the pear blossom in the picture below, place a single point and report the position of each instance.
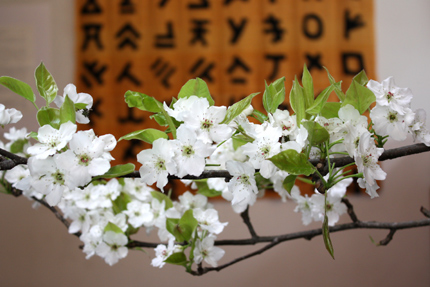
(418, 128)
(304, 205)
(335, 208)
(190, 201)
(387, 121)
(138, 189)
(77, 98)
(9, 116)
(162, 252)
(366, 159)
(389, 95)
(190, 153)
(242, 187)
(208, 220)
(263, 148)
(283, 119)
(138, 213)
(205, 250)
(91, 240)
(85, 158)
(157, 163)
(52, 140)
(112, 248)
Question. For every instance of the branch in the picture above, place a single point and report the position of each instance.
(247, 221)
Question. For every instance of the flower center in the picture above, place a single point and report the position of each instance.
(389, 96)
(84, 159)
(244, 179)
(187, 151)
(58, 177)
(206, 124)
(392, 117)
(160, 164)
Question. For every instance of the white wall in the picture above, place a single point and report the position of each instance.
(37, 251)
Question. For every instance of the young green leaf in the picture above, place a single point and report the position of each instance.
(297, 101)
(293, 162)
(337, 86)
(203, 189)
(361, 78)
(308, 87)
(326, 237)
(172, 225)
(45, 84)
(359, 96)
(240, 140)
(331, 110)
(178, 258)
(113, 227)
(274, 95)
(120, 203)
(196, 87)
(188, 224)
(146, 135)
(67, 111)
(320, 102)
(18, 87)
(236, 109)
(117, 171)
(316, 133)
(142, 102)
(18, 146)
(48, 116)
(162, 197)
(288, 183)
(259, 116)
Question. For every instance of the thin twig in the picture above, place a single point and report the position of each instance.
(387, 239)
(247, 221)
(350, 210)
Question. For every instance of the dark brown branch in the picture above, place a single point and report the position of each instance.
(350, 210)
(387, 239)
(425, 211)
(13, 161)
(247, 221)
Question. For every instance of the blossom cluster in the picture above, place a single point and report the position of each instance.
(72, 170)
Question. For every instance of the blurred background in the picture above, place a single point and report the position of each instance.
(36, 249)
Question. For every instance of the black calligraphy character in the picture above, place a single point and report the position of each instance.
(238, 64)
(204, 4)
(162, 3)
(166, 40)
(199, 31)
(352, 63)
(127, 7)
(95, 71)
(314, 61)
(95, 111)
(307, 23)
(163, 70)
(204, 71)
(227, 2)
(237, 29)
(91, 7)
(276, 59)
(352, 23)
(129, 152)
(125, 74)
(92, 33)
(274, 28)
(130, 118)
(129, 35)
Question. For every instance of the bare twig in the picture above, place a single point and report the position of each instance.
(350, 210)
(247, 221)
(387, 239)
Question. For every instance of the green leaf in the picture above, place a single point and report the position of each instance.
(67, 111)
(297, 101)
(160, 119)
(236, 109)
(172, 225)
(45, 84)
(188, 224)
(259, 116)
(240, 140)
(293, 162)
(142, 102)
(120, 203)
(274, 95)
(49, 116)
(196, 87)
(288, 183)
(18, 87)
(178, 258)
(320, 102)
(316, 133)
(359, 96)
(326, 236)
(117, 171)
(18, 146)
(113, 227)
(146, 135)
(203, 189)
(337, 86)
(331, 110)
(32, 135)
(162, 197)
(80, 106)
(361, 78)
(308, 87)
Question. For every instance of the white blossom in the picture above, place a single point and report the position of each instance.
(9, 116)
(77, 98)
(112, 248)
(205, 250)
